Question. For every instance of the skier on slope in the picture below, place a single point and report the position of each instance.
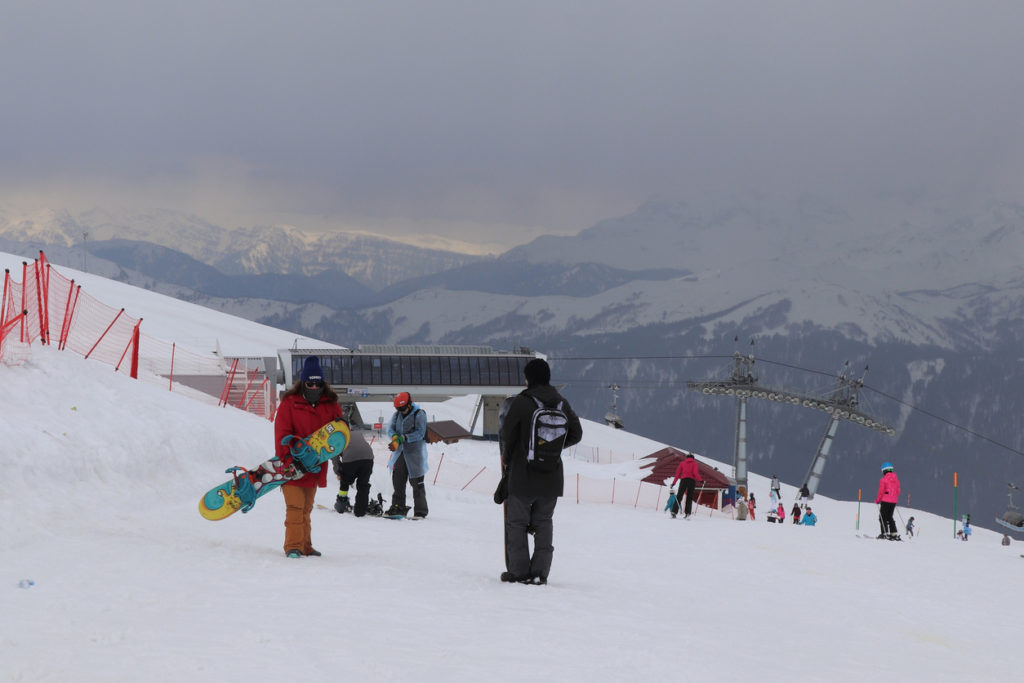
(888, 496)
(689, 474)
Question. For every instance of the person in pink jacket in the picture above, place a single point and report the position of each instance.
(689, 473)
(888, 496)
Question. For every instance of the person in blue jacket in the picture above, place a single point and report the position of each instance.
(809, 518)
(408, 464)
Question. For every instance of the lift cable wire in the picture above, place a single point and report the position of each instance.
(790, 366)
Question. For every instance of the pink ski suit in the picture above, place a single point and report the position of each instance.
(888, 489)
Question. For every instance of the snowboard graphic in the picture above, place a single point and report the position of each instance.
(245, 486)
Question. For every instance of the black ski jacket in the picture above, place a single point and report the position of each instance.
(515, 441)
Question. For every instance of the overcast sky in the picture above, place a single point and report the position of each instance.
(492, 122)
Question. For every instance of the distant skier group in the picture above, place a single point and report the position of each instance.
(801, 513)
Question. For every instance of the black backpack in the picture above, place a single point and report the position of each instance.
(548, 431)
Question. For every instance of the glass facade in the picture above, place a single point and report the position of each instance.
(373, 370)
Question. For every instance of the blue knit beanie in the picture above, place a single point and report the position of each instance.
(311, 370)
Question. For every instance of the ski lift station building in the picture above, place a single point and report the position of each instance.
(429, 373)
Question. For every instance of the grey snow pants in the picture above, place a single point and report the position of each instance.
(521, 515)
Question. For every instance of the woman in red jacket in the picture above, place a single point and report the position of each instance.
(305, 408)
(690, 475)
(888, 496)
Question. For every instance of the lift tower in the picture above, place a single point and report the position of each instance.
(841, 404)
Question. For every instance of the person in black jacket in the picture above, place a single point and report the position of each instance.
(532, 491)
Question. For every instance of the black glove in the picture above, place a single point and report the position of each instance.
(501, 492)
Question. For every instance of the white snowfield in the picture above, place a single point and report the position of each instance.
(102, 478)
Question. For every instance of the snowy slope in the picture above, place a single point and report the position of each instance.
(102, 479)
(167, 318)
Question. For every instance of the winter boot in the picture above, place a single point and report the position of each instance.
(341, 504)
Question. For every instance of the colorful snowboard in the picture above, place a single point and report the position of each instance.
(245, 486)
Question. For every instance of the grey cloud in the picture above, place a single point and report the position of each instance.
(550, 114)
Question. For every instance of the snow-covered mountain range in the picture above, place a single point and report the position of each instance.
(928, 297)
(373, 261)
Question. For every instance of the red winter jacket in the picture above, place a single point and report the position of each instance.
(298, 416)
(888, 489)
(687, 470)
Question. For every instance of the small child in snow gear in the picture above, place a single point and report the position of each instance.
(751, 505)
(795, 513)
(741, 510)
(965, 533)
(910, 527)
(781, 512)
(809, 519)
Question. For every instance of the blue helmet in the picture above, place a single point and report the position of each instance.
(887, 467)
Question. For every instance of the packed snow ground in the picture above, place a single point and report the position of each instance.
(103, 476)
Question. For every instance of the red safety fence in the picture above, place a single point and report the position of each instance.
(579, 488)
(47, 307)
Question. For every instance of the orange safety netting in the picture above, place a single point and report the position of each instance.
(46, 306)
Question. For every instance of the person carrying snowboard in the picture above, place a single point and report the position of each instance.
(354, 466)
(688, 473)
(539, 424)
(407, 430)
(888, 496)
(305, 408)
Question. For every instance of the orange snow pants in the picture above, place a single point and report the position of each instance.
(298, 501)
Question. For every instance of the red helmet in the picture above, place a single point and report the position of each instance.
(402, 400)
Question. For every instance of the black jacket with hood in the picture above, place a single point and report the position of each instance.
(515, 441)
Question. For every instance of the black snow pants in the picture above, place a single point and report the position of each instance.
(400, 475)
(521, 516)
(885, 513)
(687, 486)
(358, 472)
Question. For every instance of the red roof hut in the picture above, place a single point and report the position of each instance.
(663, 466)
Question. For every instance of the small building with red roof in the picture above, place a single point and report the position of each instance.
(663, 465)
